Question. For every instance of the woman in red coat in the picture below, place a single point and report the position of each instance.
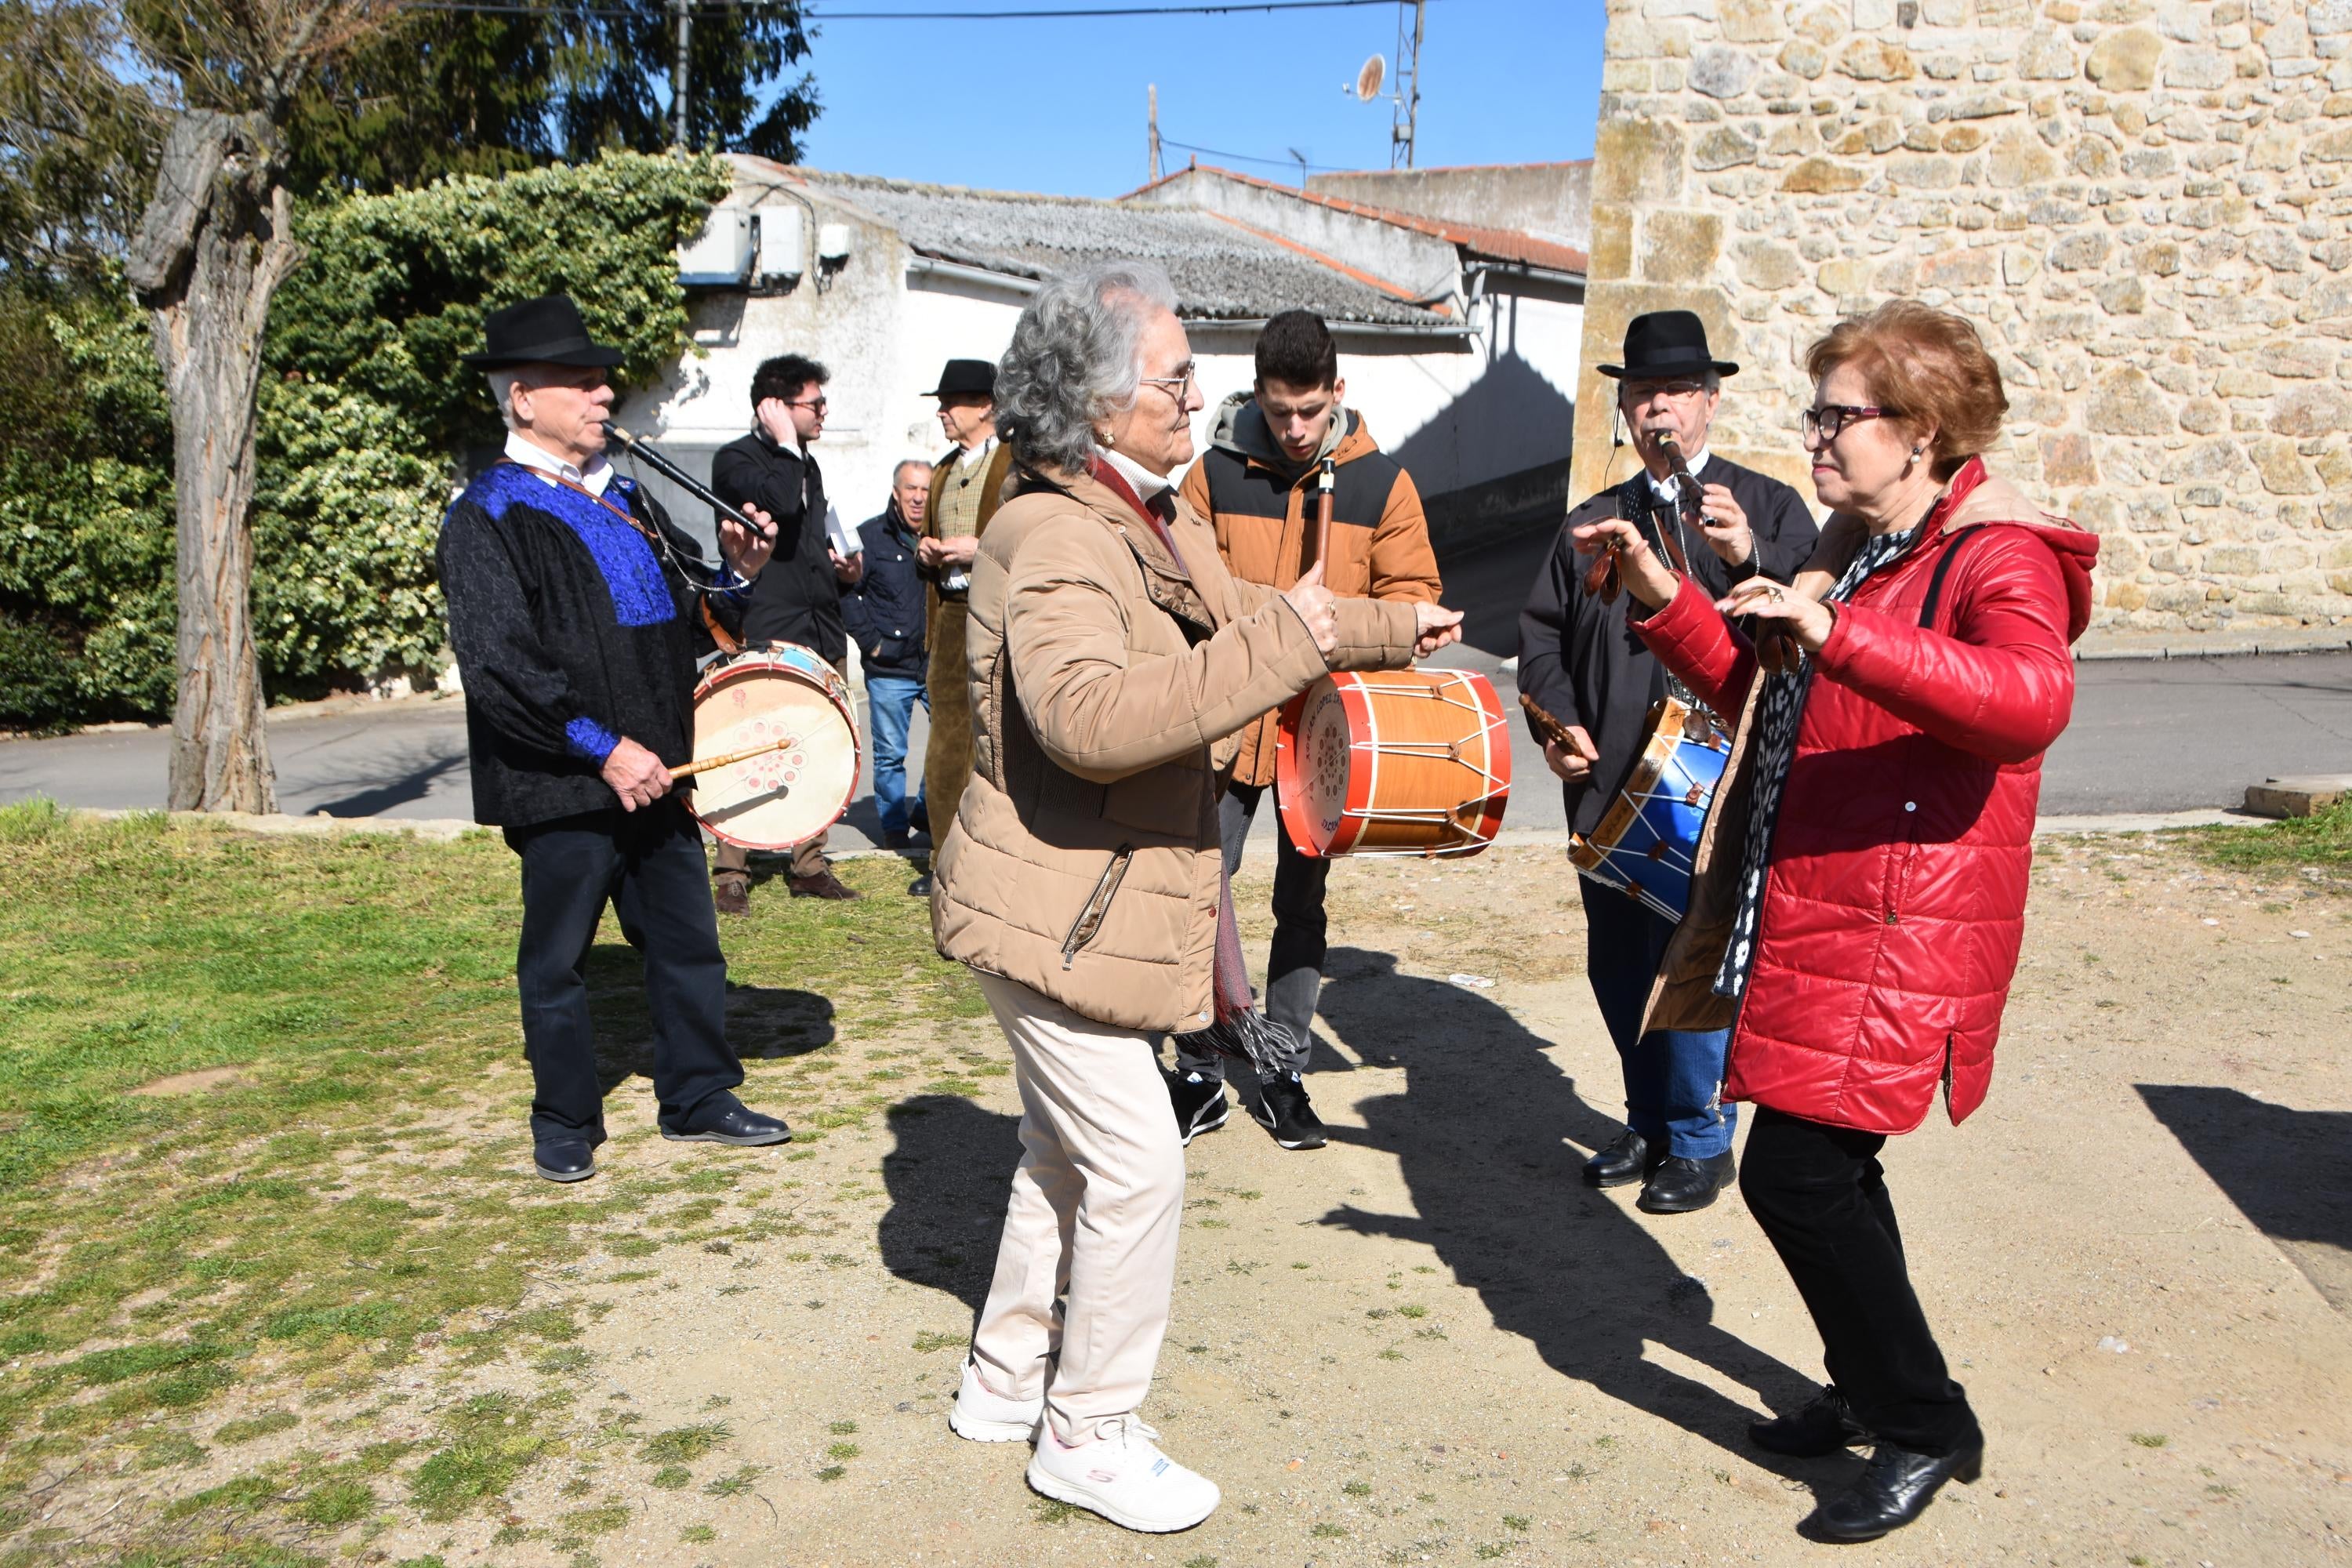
(1875, 880)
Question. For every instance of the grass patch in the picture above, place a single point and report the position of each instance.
(2322, 841)
(252, 1426)
(684, 1444)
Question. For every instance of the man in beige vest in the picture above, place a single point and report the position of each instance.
(966, 487)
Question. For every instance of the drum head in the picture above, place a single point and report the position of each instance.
(1313, 767)
(782, 798)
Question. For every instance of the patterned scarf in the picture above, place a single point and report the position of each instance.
(1779, 713)
(1238, 1029)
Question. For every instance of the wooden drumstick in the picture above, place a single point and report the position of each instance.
(1325, 483)
(701, 764)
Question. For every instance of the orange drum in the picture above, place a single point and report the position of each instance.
(784, 797)
(1400, 762)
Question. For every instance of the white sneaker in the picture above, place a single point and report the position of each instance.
(986, 1416)
(1124, 1477)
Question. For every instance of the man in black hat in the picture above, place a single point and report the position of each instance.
(1586, 668)
(799, 596)
(577, 611)
(967, 486)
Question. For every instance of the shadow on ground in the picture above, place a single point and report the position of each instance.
(764, 1022)
(2288, 1171)
(1478, 1138)
(945, 1177)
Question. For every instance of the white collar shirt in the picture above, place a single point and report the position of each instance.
(1662, 491)
(970, 456)
(554, 469)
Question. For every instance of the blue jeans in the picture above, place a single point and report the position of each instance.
(889, 701)
(1673, 1077)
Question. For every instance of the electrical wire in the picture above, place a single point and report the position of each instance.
(1246, 158)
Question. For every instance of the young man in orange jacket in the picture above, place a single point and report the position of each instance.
(1256, 483)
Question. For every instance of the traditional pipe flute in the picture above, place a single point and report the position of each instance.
(661, 464)
(1325, 483)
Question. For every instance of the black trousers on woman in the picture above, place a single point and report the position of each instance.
(1821, 1195)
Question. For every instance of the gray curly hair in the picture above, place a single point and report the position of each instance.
(1075, 356)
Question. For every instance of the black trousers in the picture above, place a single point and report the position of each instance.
(1821, 1195)
(649, 865)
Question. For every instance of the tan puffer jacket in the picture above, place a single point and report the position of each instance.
(1109, 683)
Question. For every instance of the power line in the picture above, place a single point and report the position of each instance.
(1207, 8)
(1246, 158)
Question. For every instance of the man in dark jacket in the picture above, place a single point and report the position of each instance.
(885, 612)
(798, 599)
(1582, 663)
(577, 611)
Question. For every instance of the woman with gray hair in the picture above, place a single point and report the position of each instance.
(1113, 665)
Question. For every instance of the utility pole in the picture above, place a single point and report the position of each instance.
(1153, 109)
(678, 77)
(1407, 86)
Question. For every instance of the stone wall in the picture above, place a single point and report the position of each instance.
(2147, 207)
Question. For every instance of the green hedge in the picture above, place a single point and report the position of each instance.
(362, 410)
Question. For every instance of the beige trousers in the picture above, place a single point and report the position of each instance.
(1097, 1203)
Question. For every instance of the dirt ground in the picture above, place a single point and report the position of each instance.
(1430, 1343)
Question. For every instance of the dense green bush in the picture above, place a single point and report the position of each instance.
(363, 409)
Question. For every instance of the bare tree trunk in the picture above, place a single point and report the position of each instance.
(212, 246)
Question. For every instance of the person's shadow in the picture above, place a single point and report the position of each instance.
(764, 1022)
(946, 1179)
(1477, 1136)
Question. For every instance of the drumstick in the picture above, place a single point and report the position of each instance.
(1551, 728)
(1324, 484)
(701, 763)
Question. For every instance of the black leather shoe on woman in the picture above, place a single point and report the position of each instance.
(1825, 1426)
(1895, 1488)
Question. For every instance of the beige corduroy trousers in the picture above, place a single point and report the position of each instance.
(1097, 1203)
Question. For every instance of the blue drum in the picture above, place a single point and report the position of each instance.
(1644, 847)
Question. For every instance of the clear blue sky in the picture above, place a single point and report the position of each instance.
(1059, 106)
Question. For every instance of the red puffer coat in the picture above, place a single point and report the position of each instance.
(1895, 903)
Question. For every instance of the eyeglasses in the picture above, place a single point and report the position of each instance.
(1827, 422)
(1642, 391)
(812, 402)
(1177, 386)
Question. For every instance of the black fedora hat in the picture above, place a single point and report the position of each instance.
(1667, 343)
(966, 377)
(545, 331)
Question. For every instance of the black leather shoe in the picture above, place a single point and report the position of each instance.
(727, 1121)
(1895, 1488)
(1623, 1162)
(1681, 1183)
(1825, 1426)
(565, 1160)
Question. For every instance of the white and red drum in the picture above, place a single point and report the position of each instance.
(782, 798)
(1399, 761)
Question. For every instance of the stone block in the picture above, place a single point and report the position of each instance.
(2124, 401)
(2046, 56)
(1844, 279)
(1680, 246)
(2094, 158)
(1874, 59)
(1873, 16)
(2126, 595)
(2323, 410)
(2124, 60)
(1819, 176)
(1958, 270)
(2333, 147)
(2018, 159)
(1805, 58)
(2324, 18)
(2147, 164)
(2203, 416)
(1613, 241)
(2300, 794)
(1964, 138)
(2283, 471)
(2124, 296)
(1753, 21)
(2067, 461)
(1723, 147)
(2079, 252)
(2197, 70)
(1766, 266)
(2017, 266)
(1636, 160)
(2158, 258)
(1721, 72)
(1913, 172)
(2232, 560)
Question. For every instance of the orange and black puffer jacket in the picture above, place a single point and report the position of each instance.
(1263, 514)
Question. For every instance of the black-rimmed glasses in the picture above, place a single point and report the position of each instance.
(1828, 422)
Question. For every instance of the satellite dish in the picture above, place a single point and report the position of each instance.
(1368, 80)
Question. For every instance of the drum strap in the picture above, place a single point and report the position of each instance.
(725, 640)
(1943, 564)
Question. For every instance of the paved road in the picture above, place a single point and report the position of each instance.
(2148, 736)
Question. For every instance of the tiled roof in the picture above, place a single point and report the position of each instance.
(1487, 244)
(1222, 271)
